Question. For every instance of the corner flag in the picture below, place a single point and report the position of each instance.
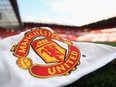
(41, 58)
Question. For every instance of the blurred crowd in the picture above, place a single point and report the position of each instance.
(98, 35)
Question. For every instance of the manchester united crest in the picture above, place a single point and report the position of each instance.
(58, 60)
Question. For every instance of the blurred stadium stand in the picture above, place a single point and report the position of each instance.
(11, 24)
(9, 14)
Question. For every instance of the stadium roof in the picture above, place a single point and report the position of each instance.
(9, 15)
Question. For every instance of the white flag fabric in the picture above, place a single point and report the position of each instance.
(41, 58)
